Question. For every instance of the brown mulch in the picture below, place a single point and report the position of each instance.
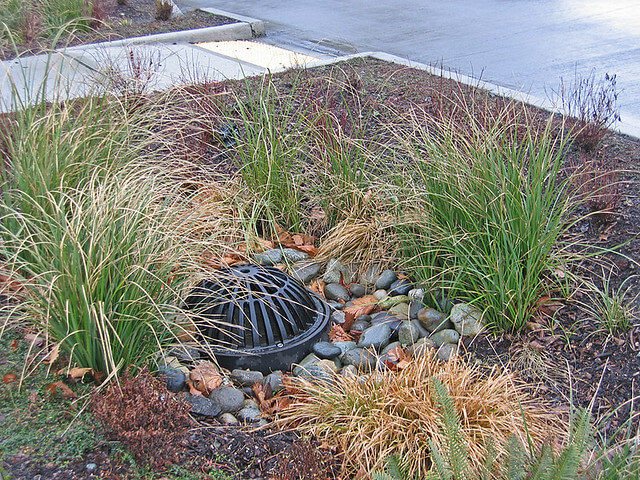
(134, 19)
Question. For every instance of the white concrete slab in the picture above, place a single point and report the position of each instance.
(263, 55)
(28, 79)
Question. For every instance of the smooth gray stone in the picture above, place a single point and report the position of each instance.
(360, 358)
(376, 336)
(421, 347)
(349, 371)
(310, 359)
(338, 317)
(249, 415)
(385, 279)
(228, 419)
(293, 255)
(380, 294)
(304, 272)
(446, 351)
(357, 290)
(326, 350)
(416, 294)
(433, 320)
(335, 291)
(274, 380)
(335, 305)
(203, 406)
(390, 347)
(370, 275)
(467, 319)
(388, 302)
(359, 326)
(400, 287)
(269, 257)
(229, 399)
(391, 320)
(445, 336)
(363, 318)
(409, 333)
(246, 378)
(316, 374)
(176, 379)
(335, 272)
(414, 308)
(401, 310)
(345, 346)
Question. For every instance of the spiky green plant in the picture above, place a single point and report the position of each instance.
(486, 215)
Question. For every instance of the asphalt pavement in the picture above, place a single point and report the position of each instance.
(527, 46)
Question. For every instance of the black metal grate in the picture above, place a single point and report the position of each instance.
(257, 317)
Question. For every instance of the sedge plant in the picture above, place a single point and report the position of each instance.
(486, 214)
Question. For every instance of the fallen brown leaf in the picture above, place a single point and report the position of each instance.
(205, 377)
(52, 356)
(9, 377)
(34, 339)
(14, 344)
(337, 334)
(361, 306)
(64, 389)
(318, 287)
(76, 373)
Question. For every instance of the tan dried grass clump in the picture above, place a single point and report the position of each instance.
(395, 413)
(361, 242)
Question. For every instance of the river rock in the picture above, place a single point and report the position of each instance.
(446, 351)
(360, 358)
(400, 287)
(385, 279)
(370, 275)
(400, 310)
(326, 350)
(246, 378)
(249, 414)
(335, 291)
(363, 318)
(357, 290)
(467, 319)
(388, 302)
(391, 320)
(316, 373)
(445, 336)
(274, 380)
(409, 333)
(416, 294)
(433, 320)
(421, 347)
(335, 305)
(338, 317)
(176, 379)
(380, 294)
(203, 406)
(305, 271)
(335, 272)
(376, 336)
(269, 257)
(349, 371)
(390, 347)
(359, 326)
(228, 419)
(229, 399)
(305, 362)
(345, 346)
(294, 255)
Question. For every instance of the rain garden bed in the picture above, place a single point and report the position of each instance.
(114, 207)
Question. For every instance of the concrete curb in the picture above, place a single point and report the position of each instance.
(245, 29)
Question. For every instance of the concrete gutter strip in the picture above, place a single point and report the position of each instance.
(257, 26)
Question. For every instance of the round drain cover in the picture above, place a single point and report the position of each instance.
(257, 317)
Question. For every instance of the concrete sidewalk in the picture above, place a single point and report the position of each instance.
(154, 62)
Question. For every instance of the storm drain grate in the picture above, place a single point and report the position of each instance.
(257, 317)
